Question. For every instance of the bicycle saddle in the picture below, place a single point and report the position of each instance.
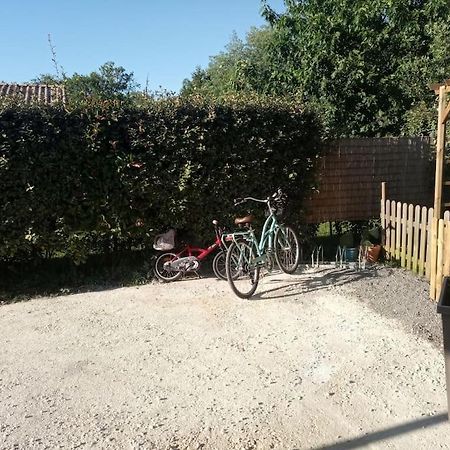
(243, 220)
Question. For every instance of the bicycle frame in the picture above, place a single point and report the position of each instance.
(266, 238)
(199, 252)
(170, 266)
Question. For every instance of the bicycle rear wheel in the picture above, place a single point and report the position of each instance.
(163, 270)
(242, 276)
(287, 249)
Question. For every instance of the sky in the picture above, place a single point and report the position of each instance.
(163, 40)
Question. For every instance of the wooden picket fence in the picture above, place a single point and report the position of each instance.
(417, 240)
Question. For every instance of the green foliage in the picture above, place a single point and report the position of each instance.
(364, 66)
(243, 67)
(110, 82)
(107, 176)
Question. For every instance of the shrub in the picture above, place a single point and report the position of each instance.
(108, 175)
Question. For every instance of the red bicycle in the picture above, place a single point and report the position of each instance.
(172, 266)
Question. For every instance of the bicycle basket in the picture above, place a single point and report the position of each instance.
(165, 241)
(279, 206)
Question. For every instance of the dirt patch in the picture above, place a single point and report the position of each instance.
(306, 364)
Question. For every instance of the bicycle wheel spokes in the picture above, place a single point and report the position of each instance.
(219, 265)
(287, 249)
(242, 274)
(163, 270)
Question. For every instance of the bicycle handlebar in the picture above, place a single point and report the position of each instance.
(239, 201)
(276, 197)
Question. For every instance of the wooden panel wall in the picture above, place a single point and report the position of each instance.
(351, 171)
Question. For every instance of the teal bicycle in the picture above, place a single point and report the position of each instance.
(246, 255)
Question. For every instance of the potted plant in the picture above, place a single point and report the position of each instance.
(371, 239)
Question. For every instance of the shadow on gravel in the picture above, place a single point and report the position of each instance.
(321, 279)
(53, 280)
(392, 293)
(379, 436)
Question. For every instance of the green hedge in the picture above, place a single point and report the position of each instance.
(109, 176)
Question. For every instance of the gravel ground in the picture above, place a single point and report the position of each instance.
(398, 294)
(315, 360)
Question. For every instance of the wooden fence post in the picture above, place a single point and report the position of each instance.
(440, 147)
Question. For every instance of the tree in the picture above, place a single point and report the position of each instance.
(109, 82)
(365, 66)
(240, 68)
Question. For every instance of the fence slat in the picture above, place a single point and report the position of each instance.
(416, 238)
(398, 228)
(447, 215)
(393, 210)
(383, 214)
(428, 251)
(446, 270)
(423, 240)
(409, 244)
(387, 245)
(440, 257)
(433, 258)
(404, 229)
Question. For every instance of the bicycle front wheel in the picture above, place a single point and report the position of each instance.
(287, 249)
(218, 265)
(242, 275)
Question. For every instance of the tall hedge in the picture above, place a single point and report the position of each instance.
(80, 181)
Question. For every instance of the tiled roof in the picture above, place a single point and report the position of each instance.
(41, 93)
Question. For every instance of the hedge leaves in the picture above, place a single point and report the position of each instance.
(108, 175)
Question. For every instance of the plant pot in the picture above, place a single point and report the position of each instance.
(351, 254)
(373, 253)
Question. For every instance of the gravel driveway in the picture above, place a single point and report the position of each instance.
(315, 360)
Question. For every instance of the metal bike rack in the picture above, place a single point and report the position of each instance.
(341, 258)
(317, 256)
(342, 261)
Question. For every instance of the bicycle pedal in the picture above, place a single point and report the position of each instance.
(191, 274)
(195, 274)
